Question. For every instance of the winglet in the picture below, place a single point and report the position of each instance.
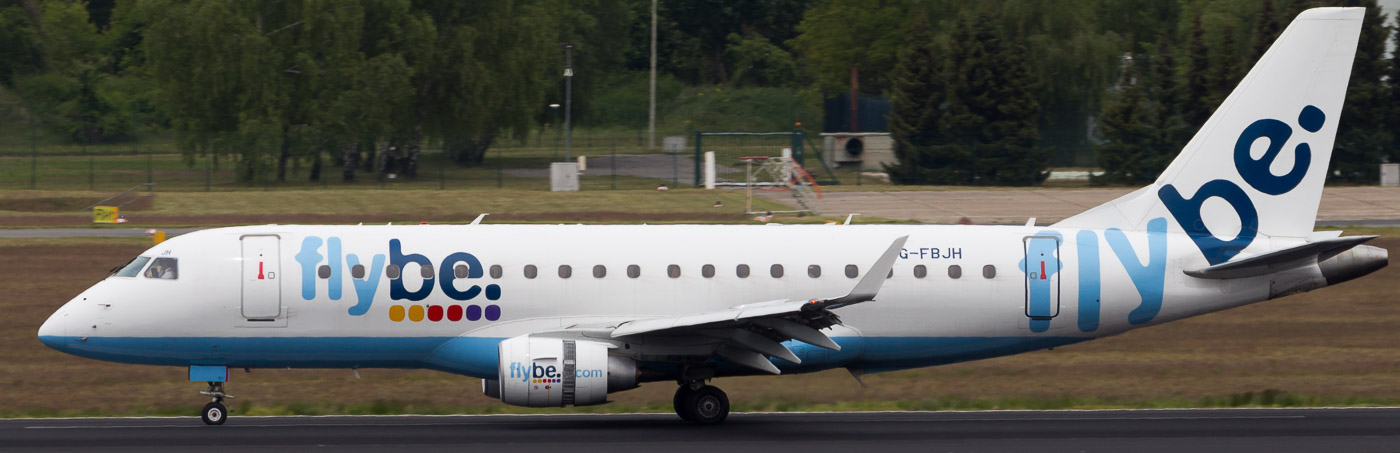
(870, 285)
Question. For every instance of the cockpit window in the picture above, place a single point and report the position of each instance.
(134, 267)
(163, 268)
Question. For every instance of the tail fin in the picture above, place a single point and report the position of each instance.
(1258, 164)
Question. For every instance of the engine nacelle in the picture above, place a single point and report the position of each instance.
(554, 372)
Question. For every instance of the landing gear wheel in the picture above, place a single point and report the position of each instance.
(214, 414)
(681, 400)
(707, 405)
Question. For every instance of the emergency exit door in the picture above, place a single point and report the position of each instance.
(262, 292)
(1042, 270)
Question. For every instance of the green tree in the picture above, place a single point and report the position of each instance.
(1363, 135)
(1127, 124)
(1196, 109)
(20, 51)
(1010, 155)
(916, 106)
(837, 35)
(1267, 27)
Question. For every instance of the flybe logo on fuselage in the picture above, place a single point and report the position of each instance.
(1255, 172)
(365, 278)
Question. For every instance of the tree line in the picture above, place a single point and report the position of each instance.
(983, 92)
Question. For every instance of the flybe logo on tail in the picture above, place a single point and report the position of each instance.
(366, 277)
(1256, 173)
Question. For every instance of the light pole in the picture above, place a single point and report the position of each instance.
(555, 126)
(568, 100)
(651, 101)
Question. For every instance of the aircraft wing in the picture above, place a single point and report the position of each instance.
(748, 334)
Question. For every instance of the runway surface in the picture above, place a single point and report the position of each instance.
(1226, 430)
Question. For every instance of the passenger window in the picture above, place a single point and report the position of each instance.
(599, 271)
(162, 268)
(852, 271)
(989, 271)
(133, 267)
(776, 271)
(458, 271)
(427, 271)
(708, 271)
(814, 271)
(673, 271)
(742, 271)
(566, 271)
(495, 271)
(357, 271)
(531, 271)
(634, 271)
(392, 271)
(325, 272)
(920, 271)
(955, 272)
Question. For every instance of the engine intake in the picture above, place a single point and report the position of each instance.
(554, 372)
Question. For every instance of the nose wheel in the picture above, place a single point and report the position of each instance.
(215, 413)
(701, 404)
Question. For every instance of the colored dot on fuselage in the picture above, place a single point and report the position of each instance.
(493, 312)
(454, 313)
(396, 313)
(473, 312)
(415, 313)
(435, 313)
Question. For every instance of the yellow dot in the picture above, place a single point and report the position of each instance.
(396, 313)
(415, 313)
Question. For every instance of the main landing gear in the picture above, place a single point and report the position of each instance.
(701, 404)
(215, 413)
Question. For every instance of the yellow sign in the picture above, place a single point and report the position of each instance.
(104, 214)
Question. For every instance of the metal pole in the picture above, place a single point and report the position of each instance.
(33, 162)
(568, 100)
(557, 131)
(651, 104)
(90, 165)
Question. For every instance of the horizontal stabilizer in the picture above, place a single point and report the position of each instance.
(1280, 260)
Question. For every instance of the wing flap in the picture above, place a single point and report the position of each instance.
(747, 358)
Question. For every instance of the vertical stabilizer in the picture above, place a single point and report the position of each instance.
(1257, 166)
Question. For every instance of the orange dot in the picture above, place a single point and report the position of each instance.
(415, 313)
(396, 313)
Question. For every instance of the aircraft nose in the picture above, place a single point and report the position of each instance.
(53, 330)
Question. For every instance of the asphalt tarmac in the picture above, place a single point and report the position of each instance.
(1219, 430)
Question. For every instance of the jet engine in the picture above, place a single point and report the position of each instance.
(555, 372)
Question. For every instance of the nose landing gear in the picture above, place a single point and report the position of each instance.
(215, 413)
(701, 404)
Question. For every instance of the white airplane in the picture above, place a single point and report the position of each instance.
(551, 316)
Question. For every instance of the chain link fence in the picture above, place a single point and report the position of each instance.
(616, 160)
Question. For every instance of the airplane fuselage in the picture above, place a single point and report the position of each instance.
(1010, 289)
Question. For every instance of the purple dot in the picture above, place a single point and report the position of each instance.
(473, 312)
(493, 312)
(493, 292)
